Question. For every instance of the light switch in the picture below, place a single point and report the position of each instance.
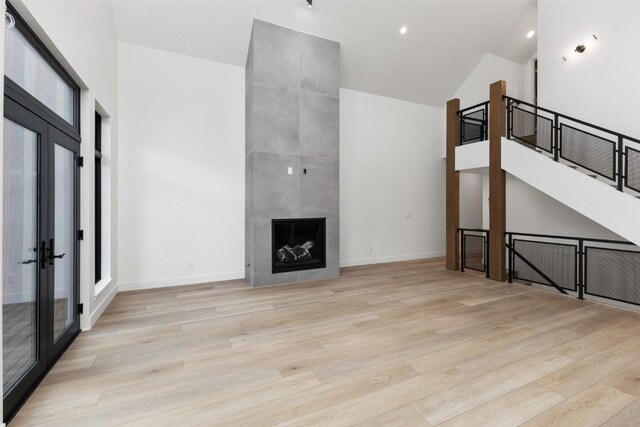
(290, 170)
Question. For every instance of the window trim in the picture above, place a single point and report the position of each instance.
(20, 95)
(97, 203)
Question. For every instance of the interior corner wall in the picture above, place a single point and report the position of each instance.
(181, 169)
(600, 86)
(490, 69)
(392, 180)
(82, 36)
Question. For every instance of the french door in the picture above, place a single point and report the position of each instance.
(40, 249)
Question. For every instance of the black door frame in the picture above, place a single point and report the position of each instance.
(49, 349)
(24, 109)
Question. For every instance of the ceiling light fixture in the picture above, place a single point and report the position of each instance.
(403, 29)
(581, 48)
(309, 3)
(531, 34)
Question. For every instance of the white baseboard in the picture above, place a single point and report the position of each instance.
(392, 258)
(110, 293)
(179, 281)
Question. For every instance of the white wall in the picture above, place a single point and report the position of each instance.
(82, 37)
(532, 211)
(182, 165)
(181, 169)
(490, 69)
(601, 85)
(392, 190)
(474, 90)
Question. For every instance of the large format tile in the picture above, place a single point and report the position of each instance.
(319, 65)
(276, 55)
(319, 125)
(276, 194)
(319, 187)
(273, 116)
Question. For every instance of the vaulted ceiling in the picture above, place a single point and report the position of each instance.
(445, 39)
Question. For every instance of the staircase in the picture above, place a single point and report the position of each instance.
(592, 170)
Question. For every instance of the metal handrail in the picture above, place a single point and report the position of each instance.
(573, 119)
(580, 252)
(481, 104)
(551, 236)
(619, 150)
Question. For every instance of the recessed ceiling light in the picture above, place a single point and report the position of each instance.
(531, 34)
(403, 29)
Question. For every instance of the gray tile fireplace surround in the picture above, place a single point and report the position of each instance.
(292, 144)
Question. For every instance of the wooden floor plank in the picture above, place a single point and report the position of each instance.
(406, 344)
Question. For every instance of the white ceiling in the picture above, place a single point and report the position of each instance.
(445, 40)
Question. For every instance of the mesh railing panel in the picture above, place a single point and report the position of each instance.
(613, 274)
(633, 169)
(556, 261)
(587, 150)
(474, 252)
(532, 129)
(473, 127)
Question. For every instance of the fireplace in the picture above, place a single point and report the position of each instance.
(298, 244)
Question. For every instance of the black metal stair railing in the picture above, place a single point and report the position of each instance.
(603, 268)
(608, 269)
(474, 123)
(474, 249)
(601, 152)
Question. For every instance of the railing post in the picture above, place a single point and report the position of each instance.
(497, 182)
(620, 169)
(486, 254)
(463, 250)
(580, 269)
(510, 255)
(509, 118)
(556, 137)
(486, 121)
(453, 187)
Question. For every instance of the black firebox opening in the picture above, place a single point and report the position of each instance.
(298, 244)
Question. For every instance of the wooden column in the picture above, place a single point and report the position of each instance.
(497, 186)
(453, 186)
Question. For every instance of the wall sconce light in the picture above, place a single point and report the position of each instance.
(580, 48)
(310, 3)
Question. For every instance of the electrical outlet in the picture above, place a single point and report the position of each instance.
(408, 215)
(190, 265)
(290, 170)
(370, 250)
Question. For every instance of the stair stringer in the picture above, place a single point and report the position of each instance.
(597, 200)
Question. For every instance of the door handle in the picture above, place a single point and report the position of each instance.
(51, 255)
(29, 261)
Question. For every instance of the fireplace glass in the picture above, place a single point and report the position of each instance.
(298, 244)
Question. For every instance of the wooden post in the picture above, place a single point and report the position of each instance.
(453, 186)
(497, 186)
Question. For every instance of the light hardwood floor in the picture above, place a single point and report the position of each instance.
(401, 344)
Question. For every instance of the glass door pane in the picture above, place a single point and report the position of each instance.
(20, 252)
(63, 243)
(29, 70)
